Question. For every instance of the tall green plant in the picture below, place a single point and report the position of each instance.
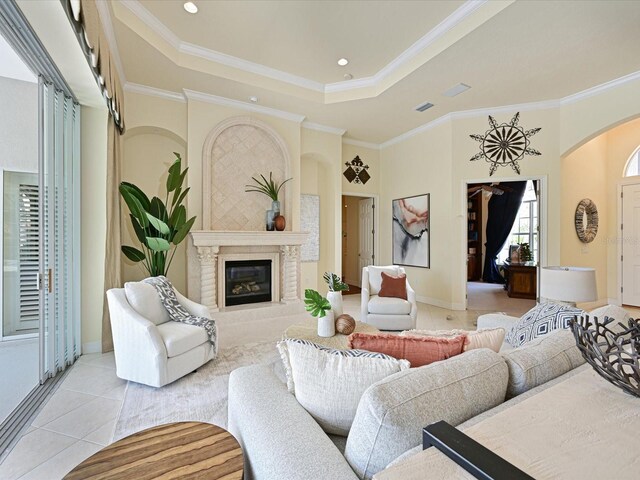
(159, 226)
(335, 283)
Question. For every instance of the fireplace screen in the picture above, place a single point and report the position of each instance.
(247, 281)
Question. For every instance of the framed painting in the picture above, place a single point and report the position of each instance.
(411, 232)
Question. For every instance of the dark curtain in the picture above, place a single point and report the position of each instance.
(503, 210)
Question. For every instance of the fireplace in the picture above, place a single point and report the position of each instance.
(247, 281)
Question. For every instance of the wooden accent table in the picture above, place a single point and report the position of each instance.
(521, 280)
(183, 450)
(309, 331)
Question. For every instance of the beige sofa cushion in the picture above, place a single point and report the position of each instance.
(541, 360)
(392, 412)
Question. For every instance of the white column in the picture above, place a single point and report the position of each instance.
(290, 255)
(208, 257)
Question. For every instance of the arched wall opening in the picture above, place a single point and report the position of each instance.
(147, 156)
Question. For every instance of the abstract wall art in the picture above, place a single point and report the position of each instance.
(356, 171)
(310, 222)
(411, 232)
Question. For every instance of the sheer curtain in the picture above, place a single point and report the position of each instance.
(60, 237)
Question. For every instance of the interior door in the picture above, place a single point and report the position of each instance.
(366, 255)
(631, 245)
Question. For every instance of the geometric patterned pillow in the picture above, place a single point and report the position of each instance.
(540, 320)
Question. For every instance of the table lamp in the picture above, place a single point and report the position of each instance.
(567, 285)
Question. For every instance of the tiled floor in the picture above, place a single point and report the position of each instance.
(18, 373)
(79, 418)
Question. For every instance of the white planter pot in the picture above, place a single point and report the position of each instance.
(335, 299)
(327, 325)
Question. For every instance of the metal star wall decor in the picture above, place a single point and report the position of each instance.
(505, 144)
(356, 171)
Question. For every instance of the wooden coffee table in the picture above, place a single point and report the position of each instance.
(309, 331)
(182, 450)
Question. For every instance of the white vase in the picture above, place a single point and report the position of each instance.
(335, 299)
(327, 325)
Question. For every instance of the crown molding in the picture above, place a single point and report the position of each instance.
(603, 87)
(359, 143)
(152, 22)
(323, 128)
(250, 107)
(107, 26)
(154, 92)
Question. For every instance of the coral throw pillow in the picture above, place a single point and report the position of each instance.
(393, 286)
(419, 350)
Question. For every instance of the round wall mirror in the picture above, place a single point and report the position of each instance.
(586, 220)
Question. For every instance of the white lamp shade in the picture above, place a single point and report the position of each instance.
(568, 284)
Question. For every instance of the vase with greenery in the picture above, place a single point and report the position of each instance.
(525, 253)
(159, 226)
(334, 295)
(319, 307)
(271, 189)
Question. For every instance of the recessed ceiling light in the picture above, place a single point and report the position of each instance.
(348, 76)
(423, 106)
(190, 7)
(253, 98)
(456, 90)
(342, 62)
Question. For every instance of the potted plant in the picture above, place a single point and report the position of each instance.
(319, 307)
(336, 287)
(271, 189)
(525, 253)
(159, 226)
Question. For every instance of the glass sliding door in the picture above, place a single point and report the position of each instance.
(59, 259)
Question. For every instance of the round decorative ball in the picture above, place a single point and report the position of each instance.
(345, 324)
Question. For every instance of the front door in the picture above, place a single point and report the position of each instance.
(366, 255)
(631, 245)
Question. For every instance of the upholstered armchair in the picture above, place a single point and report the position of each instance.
(386, 313)
(148, 346)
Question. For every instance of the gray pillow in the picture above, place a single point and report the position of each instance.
(540, 320)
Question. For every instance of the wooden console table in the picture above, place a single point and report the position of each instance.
(522, 280)
(177, 450)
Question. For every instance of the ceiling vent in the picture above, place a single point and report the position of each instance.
(456, 90)
(424, 106)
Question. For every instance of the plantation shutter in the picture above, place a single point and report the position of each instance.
(29, 230)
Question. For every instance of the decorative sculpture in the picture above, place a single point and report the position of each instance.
(356, 171)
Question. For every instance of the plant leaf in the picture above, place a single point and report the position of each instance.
(132, 253)
(178, 217)
(159, 225)
(335, 283)
(315, 303)
(136, 192)
(158, 210)
(158, 244)
(183, 231)
(173, 180)
(142, 237)
(181, 197)
(135, 207)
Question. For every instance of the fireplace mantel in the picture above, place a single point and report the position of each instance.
(207, 250)
(208, 238)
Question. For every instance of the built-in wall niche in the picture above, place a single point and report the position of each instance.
(236, 150)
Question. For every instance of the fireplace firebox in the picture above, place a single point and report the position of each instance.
(247, 281)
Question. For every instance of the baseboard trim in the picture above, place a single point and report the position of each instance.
(614, 301)
(91, 347)
(439, 303)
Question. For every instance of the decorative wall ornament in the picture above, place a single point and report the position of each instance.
(356, 171)
(586, 212)
(505, 144)
(411, 231)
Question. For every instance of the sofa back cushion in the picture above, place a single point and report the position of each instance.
(375, 277)
(392, 412)
(328, 383)
(541, 360)
(144, 299)
(419, 350)
(540, 320)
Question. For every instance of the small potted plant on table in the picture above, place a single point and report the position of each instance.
(319, 307)
(336, 287)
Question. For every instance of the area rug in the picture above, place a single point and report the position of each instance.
(201, 396)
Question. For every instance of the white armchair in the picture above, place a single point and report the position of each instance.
(386, 313)
(149, 348)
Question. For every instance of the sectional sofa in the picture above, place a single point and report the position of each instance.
(281, 440)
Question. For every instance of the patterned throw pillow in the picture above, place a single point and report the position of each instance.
(328, 383)
(540, 320)
(490, 338)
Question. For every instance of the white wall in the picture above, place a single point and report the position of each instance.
(18, 125)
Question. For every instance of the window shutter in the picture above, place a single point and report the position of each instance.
(29, 224)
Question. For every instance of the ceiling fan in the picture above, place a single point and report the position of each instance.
(490, 189)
